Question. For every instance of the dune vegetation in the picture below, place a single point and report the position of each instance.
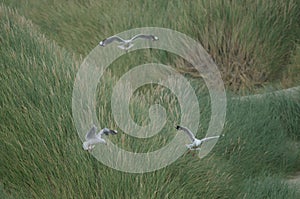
(42, 45)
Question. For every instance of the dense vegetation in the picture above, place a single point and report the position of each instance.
(41, 154)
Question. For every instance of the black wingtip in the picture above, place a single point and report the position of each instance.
(177, 127)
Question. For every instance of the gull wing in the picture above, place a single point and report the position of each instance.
(209, 138)
(91, 133)
(107, 131)
(187, 131)
(143, 36)
(110, 40)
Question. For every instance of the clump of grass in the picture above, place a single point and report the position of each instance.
(288, 112)
(291, 75)
(267, 186)
(251, 41)
(255, 132)
(36, 118)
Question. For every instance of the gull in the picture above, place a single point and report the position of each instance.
(91, 138)
(126, 44)
(196, 143)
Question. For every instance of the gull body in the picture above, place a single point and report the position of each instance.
(92, 138)
(126, 44)
(196, 143)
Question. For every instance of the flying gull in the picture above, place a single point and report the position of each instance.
(196, 143)
(126, 44)
(91, 138)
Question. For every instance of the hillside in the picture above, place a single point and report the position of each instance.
(41, 154)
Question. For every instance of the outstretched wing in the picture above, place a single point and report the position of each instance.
(187, 131)
(107, 131)
(143, 36)
(209, 138)
(110, 40)
(91, 133)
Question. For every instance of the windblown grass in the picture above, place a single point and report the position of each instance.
(41, 154)
(259, 133)
(251, 41)
(268, 187)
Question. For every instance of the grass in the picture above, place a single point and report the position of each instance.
(291, 74)
(251, 41)
(268, 187)
(41, 154)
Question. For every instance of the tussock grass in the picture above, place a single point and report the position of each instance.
(292, 73)
(41, 154)
(259, 136)
(251, 41)
(268, 187)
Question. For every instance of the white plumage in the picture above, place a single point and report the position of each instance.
(126, 44)
(91, 138)
(196, 143)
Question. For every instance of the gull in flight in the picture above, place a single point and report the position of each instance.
(126, 44)
(196, 143)
(91, 138)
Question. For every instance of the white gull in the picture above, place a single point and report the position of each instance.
(126, 44)
(91, 138)
(196, 143)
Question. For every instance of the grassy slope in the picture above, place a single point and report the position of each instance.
(41, 154)
(252, 44)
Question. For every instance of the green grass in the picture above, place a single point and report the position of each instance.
(268, 187)
(41, 154)
(251, 41)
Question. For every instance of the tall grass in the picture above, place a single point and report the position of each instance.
(268, 187)
(267, 141)
(251, 41)
(41, 154)
(292, 73)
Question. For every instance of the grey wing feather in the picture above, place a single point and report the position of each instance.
(91, 133)
(110, 40)
(209, 138)
(187, 131)
(107, 131)
(142, 36)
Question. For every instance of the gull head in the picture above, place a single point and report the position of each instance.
(155, 38)
(178, 127)
(101, 43)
